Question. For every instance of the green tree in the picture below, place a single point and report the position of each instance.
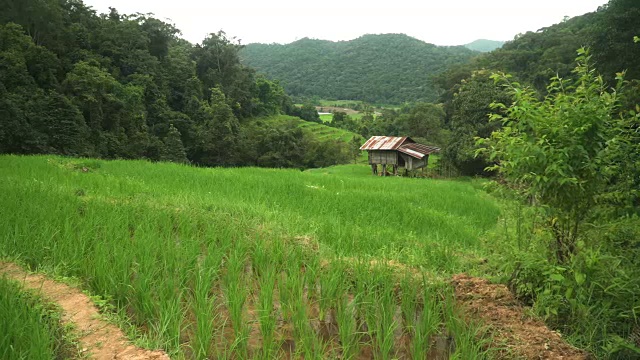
(270, 97)
(307, 112)
(174, 148)
(63, 125)
(558, 150)
(217, 132)
(354, 148)
(424, 120)
(469, 119)
(613, 36)
(16, 134)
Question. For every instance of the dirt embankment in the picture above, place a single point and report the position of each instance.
(98, 339)
(517, 335)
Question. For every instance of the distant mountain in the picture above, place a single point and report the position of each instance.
(388, 68)
(484, 45)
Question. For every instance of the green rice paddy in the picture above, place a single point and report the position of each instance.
(255, 263)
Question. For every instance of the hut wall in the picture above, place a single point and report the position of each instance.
(413, 163)
(383, 157)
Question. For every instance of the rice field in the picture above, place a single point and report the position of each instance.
(326, 118)
(252, 263)
(320, 131)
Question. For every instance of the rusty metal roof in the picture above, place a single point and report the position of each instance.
(402, 144)
(384, 143)
(418, 150)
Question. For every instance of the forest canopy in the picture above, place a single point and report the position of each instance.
(388, 68)
(73, 82)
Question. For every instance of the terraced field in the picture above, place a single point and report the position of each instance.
(322, 132)
(255, 263)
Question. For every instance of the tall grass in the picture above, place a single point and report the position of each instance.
(187, 252)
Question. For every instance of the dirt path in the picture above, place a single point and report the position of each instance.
(98, 338)
(516, 334)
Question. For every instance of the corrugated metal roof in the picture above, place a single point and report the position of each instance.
(418, 150)
(402, 144)
(384, 143)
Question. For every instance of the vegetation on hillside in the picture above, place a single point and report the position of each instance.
(484, 45)
(573, 156)
(390, 68)
(126, 86)
(533, 59)
(290, 142)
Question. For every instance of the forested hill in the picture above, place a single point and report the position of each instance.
(76, 83)
(484, 45)
(389, 68)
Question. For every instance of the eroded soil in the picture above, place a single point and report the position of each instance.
(98, 339)
(516, 335)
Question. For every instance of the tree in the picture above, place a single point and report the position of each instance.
(558, 150)
(16, 134)
(469, 119)
(270, 97)
(65, 129)
(424, 120)
(306, 112)
(217, 132)
(174, 148)
(613, 36)
(354, 148)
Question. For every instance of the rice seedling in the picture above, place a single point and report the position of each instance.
(466, 335)
(385, 323)
(236, 294)
(408, 302)
(347, 327)
(427, 323)
(204, 303)
(265, 308)
(330, 283)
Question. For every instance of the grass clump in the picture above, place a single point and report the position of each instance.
(30, 328)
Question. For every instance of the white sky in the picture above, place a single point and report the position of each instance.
(442, 22)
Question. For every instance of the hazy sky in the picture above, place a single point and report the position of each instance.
(443, 22)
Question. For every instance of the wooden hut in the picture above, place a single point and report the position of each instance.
(397, 152)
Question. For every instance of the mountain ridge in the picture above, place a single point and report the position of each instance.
(379, 68)
(484, 45)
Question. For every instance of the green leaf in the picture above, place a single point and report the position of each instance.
(556, 277)
(568, 293)
(580, 278)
